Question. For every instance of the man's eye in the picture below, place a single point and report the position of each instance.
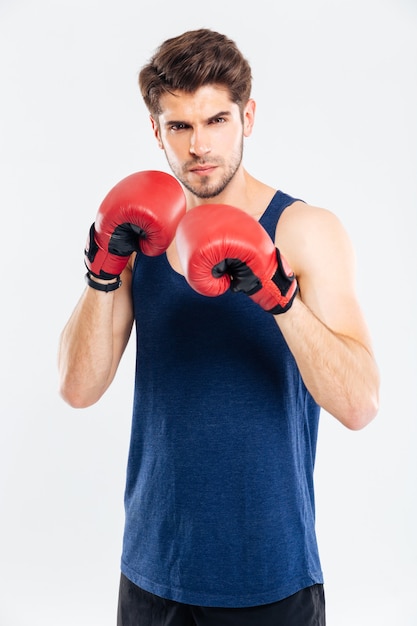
(175, 127)
(218, 120)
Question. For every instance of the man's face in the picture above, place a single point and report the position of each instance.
(202, 136)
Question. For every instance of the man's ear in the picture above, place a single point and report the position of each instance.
(249, 117)
(157, 134)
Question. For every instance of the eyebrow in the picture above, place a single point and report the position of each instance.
(212, 117)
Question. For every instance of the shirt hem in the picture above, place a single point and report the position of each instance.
(235, 600)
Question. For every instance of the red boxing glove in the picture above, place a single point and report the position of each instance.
(222, 247)
(140, 213)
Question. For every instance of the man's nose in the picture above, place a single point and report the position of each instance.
(199, 145)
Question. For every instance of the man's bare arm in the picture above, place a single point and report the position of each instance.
(93, 341)
(325, 328)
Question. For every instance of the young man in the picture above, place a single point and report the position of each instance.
(219, 493)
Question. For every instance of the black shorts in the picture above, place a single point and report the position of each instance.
(141, 608)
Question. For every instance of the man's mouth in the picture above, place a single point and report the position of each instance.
(201, 170)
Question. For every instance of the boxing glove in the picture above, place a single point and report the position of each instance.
(222, 247)
(140, 213)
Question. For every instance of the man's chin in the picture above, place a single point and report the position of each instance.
(204, 192)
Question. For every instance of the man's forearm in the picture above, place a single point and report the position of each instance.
(339, 371)
(85, 360)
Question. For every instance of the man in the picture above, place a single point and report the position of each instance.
(219, 493)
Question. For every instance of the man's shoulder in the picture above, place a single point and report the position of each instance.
(300, 213)
(305, 231)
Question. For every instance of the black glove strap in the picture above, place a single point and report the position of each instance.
(102, 286)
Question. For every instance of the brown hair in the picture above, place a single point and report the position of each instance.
(191, 60)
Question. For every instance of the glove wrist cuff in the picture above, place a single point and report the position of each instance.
(102, 286)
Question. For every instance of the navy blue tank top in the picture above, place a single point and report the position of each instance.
(219, 494)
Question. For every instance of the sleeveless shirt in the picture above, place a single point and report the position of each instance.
(219, 499)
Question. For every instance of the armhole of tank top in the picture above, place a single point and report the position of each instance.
(279, 202)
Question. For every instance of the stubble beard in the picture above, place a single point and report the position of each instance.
(206, 189)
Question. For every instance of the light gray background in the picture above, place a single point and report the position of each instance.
(335, 83)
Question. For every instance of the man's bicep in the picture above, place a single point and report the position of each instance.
(325, 266)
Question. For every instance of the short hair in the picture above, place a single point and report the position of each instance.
(192, 60)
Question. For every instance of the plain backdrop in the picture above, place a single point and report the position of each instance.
(335, 84)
